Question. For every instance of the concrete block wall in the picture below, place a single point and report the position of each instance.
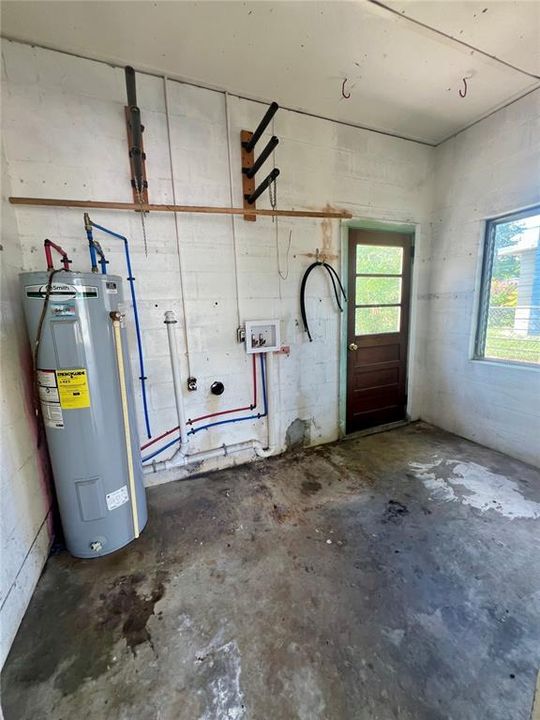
(25, 514)
(490, 170)
(64, 136)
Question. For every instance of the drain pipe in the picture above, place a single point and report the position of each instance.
(171, 322)
(261, 451)
(179, 460)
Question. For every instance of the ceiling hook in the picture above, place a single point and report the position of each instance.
(463, 93)
(343, 93)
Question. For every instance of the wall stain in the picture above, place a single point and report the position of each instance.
(298, 434)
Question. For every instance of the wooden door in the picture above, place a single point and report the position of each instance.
(378, 327)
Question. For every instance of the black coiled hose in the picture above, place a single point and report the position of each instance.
(334, 277)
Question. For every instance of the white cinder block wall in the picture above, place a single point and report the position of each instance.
(491, 169)
(25, 523)
(64, 136)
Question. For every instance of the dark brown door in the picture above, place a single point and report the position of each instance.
(378, 327)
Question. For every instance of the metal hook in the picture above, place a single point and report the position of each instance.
(464, 93)
(343, 93)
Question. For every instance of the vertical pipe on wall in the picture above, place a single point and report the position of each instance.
(269, 382)
(176, 228)
(116, 317)
(170, 322)
(231, 196)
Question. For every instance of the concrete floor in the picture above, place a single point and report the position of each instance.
(393, 576)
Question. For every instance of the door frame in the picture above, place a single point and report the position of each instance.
(413, 230)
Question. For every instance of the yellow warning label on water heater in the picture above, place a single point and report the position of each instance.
(73, 389)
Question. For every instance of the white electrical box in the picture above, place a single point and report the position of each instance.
(262, 336)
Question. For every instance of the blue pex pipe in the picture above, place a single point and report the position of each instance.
(94, 246)
(131, 280)
(223, 422)
(161, 449)
(92, 249)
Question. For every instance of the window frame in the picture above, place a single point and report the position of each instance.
(485, 285)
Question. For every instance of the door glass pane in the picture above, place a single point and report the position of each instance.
(378, 290)
(379, 259)
(376, 320)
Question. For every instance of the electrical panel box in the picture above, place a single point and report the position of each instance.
(262, 336)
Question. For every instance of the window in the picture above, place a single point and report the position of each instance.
(378, 289)
(509, 316)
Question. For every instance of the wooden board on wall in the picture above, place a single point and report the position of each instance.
(248, 184)
(143, 199)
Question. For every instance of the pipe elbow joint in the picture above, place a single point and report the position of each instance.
(176, 461)
(263, 452)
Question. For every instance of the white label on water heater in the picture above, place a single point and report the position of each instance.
(48, 394)
(46, 378)
(52, 415)
(117, 497)
(62, 291)
(51, 410)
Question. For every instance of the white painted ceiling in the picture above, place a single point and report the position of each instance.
(402, 78)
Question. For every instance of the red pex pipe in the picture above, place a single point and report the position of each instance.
(160, 437)
(210, 415)
(48, 244)
(48, 255)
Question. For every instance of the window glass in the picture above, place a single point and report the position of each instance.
(378, 290)
(509, 326)
(379, 259)
(376, 320)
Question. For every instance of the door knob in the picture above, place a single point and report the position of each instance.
(353, 346)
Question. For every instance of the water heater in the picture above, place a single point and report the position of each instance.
(85, 390)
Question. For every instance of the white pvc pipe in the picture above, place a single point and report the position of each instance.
(181, 460)
(271, 415)
(170, 322)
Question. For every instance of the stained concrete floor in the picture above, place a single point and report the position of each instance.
(393, 576)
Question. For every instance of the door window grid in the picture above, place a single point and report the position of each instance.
(381, 259)
(381, 289)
